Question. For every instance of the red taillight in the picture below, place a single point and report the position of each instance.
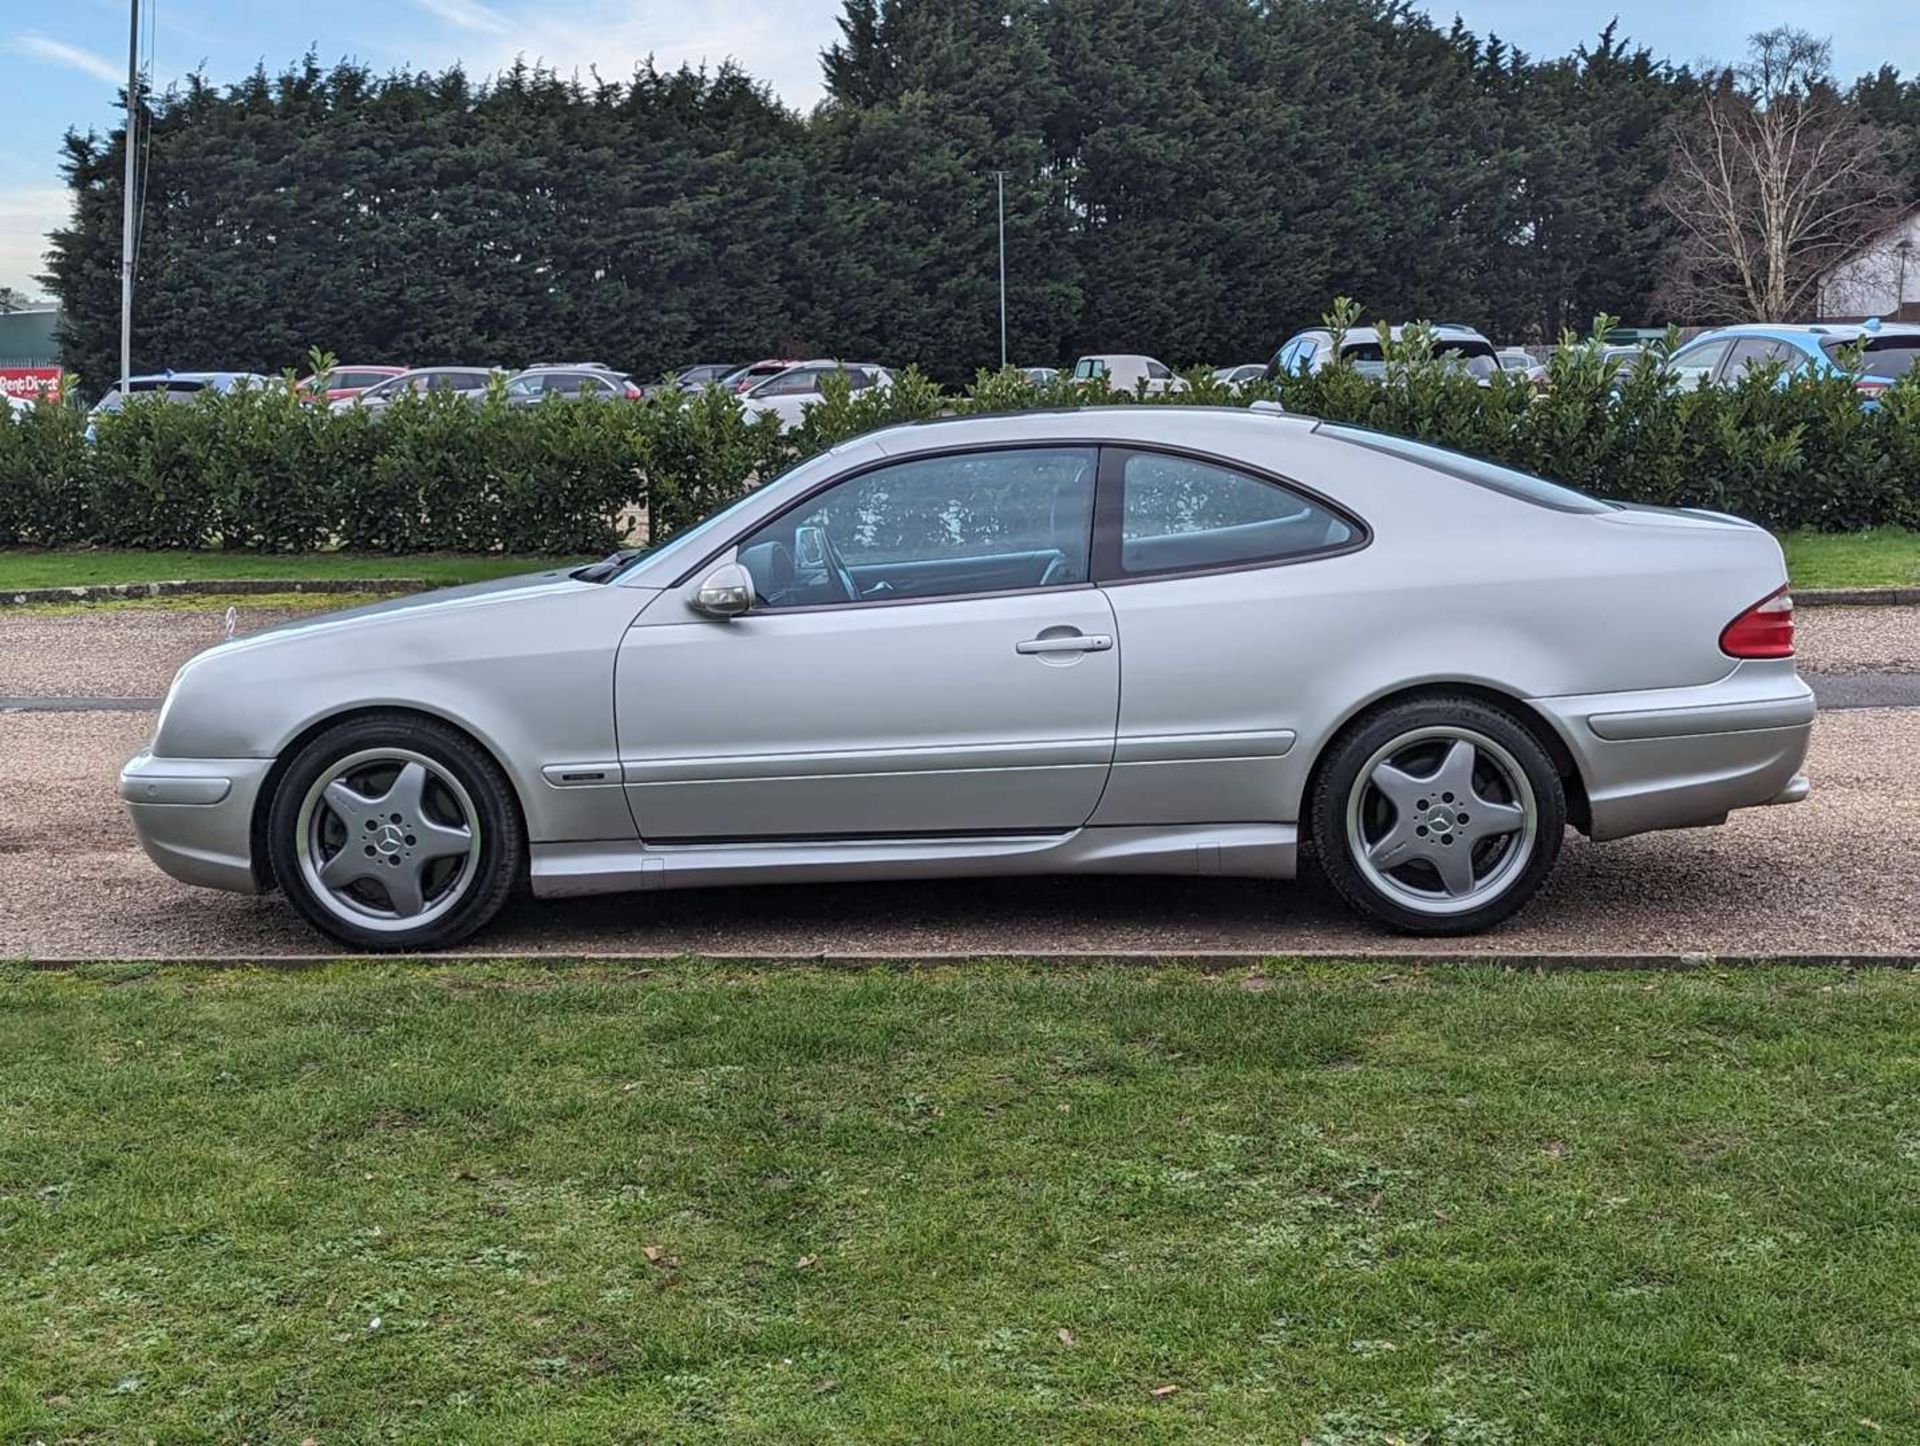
(634, 393)
(1764, 630)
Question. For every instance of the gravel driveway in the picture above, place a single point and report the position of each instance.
(125, 652)
(1858, 640)
(1834, 875)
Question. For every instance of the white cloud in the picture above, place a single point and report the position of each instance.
(467, 15)
(60, 53)
(27, 214)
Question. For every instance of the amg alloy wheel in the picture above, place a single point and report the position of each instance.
(387, 839)
(395, 832)
(1439, 817)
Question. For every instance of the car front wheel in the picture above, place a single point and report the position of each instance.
(1438, 816)
(395, 832)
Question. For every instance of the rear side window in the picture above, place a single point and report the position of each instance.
(1521, 486)
(1178, 514)
(1887, 357)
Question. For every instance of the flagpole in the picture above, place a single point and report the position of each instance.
(128, 211)
(1001, 177)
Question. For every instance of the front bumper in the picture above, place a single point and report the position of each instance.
(1685, 757)
(194, 816)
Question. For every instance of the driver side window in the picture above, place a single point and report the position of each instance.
(952, 526)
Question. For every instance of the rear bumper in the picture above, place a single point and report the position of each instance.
(194, 816)
(1684, 757)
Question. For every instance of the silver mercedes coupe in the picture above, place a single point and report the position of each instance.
(1142, 640)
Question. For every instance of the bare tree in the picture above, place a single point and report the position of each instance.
(10, 300)
(1773, 179)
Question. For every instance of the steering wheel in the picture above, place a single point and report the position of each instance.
(837, 570)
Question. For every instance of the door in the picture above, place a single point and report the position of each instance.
(926, 655)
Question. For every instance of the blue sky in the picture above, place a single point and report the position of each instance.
(60, 63)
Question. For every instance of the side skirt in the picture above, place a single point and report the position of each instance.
(1240, 850)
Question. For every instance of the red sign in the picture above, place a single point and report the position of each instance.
(29, 383)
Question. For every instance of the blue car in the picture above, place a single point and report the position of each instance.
(1720, 358)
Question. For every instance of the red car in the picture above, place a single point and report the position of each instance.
(343, 382)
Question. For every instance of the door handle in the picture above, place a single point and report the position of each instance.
(1074, 643)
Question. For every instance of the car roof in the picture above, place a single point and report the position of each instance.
(1813, 331)
(1117, 423)
(1396, 330)
(206, 379)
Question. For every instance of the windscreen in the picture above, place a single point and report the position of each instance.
(170, 390)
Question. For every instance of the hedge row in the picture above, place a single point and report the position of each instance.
(261, 471)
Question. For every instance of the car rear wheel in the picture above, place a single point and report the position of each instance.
(1438, 816)
(395, 832)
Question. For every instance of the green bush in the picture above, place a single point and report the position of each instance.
(260, 470)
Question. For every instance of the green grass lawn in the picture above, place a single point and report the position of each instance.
(997, 1204)
(21, 568)
(1881, 557)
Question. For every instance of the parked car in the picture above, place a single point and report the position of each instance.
(1129, 373)
(1627, 358)
(1239, 376)
(469, 382)
(343, 383)
(1311, 351)
(903, 659)
(742, 379)
(170, 387)
(17, 406)
(789, 393)
(1640, 337)
(1721, 358)
(1520, 362)
(177, 387)
(1039, 376)
(706, 374)
(536, 384)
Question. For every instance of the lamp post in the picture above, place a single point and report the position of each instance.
(1000, 177)
(128, 212)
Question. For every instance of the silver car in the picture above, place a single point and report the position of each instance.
(1119, 640)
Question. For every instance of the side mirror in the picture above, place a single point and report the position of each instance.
(726, 592)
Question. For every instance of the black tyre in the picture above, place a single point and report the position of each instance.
(1438, 816)
(395, 832)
